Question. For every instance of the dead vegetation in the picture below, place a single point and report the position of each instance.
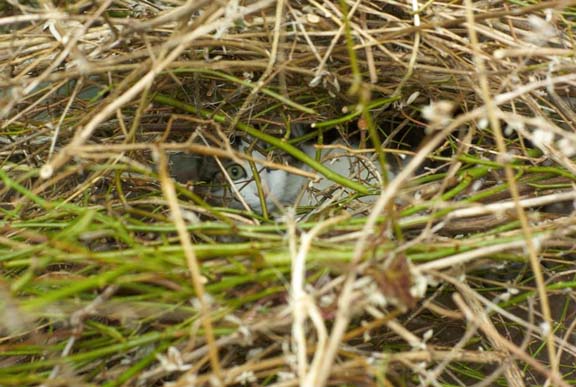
(460, 273)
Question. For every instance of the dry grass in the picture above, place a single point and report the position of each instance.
(460, 273)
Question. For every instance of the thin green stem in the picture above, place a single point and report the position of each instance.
(276, 142)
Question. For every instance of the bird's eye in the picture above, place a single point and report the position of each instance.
(236, 172)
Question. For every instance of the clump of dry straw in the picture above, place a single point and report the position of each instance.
(461, 272)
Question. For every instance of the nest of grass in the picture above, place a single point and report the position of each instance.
(460, 273)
